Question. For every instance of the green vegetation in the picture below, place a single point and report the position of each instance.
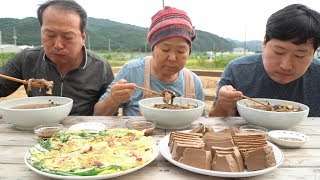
(195, 61)
(201, 61)
(104, 34)
(4, 57)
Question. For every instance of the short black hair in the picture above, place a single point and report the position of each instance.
(69, 5)
(295, 22)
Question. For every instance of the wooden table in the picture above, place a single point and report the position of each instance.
(303, 163)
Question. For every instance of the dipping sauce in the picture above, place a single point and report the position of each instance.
(146, 126)
(47, 131)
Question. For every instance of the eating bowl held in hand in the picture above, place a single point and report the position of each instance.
(286, 119)
(176, 118)
(27, 113)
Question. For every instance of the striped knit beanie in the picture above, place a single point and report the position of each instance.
(168, 23)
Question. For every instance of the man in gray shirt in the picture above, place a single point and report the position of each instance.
(286, 69)
(76, 72)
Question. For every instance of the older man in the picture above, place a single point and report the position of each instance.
(76, 72)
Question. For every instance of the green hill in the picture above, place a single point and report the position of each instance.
(104, 33)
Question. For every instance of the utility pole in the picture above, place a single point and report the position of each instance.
(145, 47)
(89, 46)
(109, 48)
(245, 39)
(14, 36)
(163, 4)
(1, 43)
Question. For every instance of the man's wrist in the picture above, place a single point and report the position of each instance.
(111, 102)
(222, 111)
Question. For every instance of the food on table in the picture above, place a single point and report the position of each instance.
(42, 83)
(174, 106)
(227, 159)
(47, 130)
(81, 153)
(256, 152)
(277, 108)
(35, 106)
(197, 157)
(168, 96)
(227, 150)
(146, 126)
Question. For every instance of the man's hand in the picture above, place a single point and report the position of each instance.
(226, 103)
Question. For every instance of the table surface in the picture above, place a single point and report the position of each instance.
(301, 163)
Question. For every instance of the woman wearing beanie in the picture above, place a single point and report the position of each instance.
(170, 36)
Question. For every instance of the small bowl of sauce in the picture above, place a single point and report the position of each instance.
(147, 126)
(288, 139)
(47, 130)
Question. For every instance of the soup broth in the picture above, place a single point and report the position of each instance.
(34, 106)
(174, 106)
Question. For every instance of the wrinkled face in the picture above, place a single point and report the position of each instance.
(170, 56)
(284, 61)
(61, 36)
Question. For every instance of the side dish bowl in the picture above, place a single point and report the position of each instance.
(171, 118)
(253, 129)
(147, 126)
(47, 130)
(288, 139)
(272, 119)
(27, 119)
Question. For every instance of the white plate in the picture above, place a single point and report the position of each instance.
(105, 176)
(277, 134)
(88, 126)
(164, 150)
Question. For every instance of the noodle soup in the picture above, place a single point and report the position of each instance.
(34, 106)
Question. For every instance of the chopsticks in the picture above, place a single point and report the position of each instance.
(35, 84)
(265, 105)
(145, 89)
(149, 90)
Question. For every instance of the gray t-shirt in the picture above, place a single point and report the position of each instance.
(133, 72)
(247, 74)
(84, 85)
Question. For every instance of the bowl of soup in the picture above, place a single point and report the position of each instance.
(29, 112)
(283, 115)
(178, 115)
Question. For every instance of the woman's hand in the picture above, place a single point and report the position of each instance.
(121, 91)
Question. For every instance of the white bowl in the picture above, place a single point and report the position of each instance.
(289, 139)
(253, 129)
(271, 119)
(27, 119)
(88, 126)
(169, 118)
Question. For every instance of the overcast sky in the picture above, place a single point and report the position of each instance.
(235, 19)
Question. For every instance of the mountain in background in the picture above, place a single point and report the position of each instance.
(104, 34)
(255, 46)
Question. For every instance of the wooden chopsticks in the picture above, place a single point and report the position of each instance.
(145, 89)
(265, 105)
(35, 84)
(149, 90)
